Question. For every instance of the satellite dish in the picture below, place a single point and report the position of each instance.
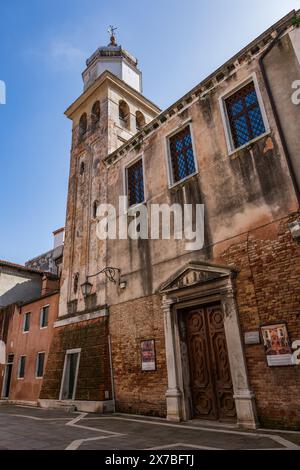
(2, 352)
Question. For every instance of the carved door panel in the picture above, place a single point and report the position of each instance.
(201, 380)
(220, 363)
(210, 377)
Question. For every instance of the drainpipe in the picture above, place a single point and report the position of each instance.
(111, 373)
(275, 112)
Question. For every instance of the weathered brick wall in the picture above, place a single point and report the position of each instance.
(268, 291)
(94, 373)
(131, 322)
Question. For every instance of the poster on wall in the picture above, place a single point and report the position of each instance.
(277, 345)
(148, 354)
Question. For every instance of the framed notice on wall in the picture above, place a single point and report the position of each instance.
(277, 345)
(148, 354)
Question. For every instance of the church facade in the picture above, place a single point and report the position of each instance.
(146, 326)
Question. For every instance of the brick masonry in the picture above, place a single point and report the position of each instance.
(268, 291)
(240, 192)
(138, 391)
(94, 377)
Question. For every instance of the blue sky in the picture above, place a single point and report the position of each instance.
(43, 47)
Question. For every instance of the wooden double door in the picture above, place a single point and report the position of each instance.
(210, 376)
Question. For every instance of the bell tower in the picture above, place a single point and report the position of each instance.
(110, 111)
(116, 60)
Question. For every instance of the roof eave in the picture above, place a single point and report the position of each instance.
(286, 20)
(108, 76)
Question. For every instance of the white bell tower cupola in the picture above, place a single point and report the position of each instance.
(116, 60)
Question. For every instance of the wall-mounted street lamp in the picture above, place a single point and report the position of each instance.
(86, 288)
(112, 274)
(295, 230)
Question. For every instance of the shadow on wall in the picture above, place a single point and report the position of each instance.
(24, 292)
(2, 352)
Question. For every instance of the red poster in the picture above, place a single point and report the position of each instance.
(277, 345)
(148, 354)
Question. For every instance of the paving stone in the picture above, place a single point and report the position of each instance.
(18, 431)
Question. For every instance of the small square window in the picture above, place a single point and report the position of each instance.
(26, 322)
(44, 316)
(244, 114)
(10, 359)
(135, 183)
(21, 368)
(182, 158)
(40, 361)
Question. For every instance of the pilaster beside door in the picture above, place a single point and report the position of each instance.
(173, 394)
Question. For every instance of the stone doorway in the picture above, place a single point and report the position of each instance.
(194, 288)
(210, 380)
(70, 374)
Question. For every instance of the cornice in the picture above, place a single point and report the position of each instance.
(108, 77)
(210, 83)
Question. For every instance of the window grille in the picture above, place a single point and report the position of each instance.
(135, 183)
(182, 155)
(244, 114)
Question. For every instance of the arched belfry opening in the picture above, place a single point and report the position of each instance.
(139, 120)
(124, 114)
(95, 115)
(82, 127)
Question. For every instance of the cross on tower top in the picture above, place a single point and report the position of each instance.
(111, 32)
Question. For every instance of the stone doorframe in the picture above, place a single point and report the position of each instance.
(200, 283)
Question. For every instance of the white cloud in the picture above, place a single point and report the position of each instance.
(65, 55)
(2, 92)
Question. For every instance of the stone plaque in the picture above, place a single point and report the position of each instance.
(252, 337)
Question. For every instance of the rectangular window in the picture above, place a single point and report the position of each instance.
(135, 183)
(10, 358)
(182, 159)
(26, 322)
(44, 316)
(40, 360)
(244, 115)
(21, 368)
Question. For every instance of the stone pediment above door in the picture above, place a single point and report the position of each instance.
(195, 273)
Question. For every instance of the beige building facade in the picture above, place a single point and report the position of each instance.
(184, 333)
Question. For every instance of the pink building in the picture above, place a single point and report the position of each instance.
(28, 332)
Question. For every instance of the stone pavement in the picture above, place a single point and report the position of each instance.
(34, 428)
